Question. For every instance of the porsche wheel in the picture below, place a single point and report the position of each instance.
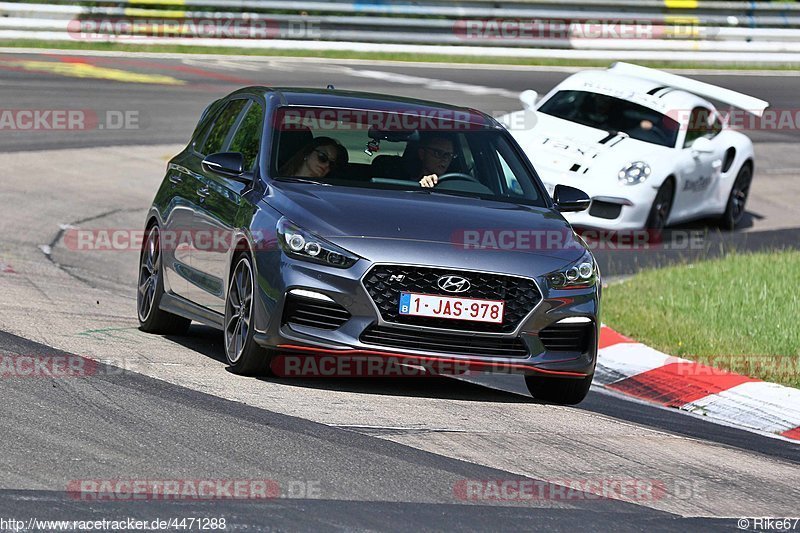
(662, 205)
(734, 211)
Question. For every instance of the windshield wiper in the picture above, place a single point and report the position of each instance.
(300, 180)
(447, 192)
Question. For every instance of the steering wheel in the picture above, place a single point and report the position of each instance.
(458, 176)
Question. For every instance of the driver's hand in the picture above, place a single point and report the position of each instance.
(429, 181)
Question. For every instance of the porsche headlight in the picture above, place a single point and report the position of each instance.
(634, 173)
(303, 244)
(580, 274)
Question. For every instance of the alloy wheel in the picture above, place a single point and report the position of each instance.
(238, 310)
(149, 271)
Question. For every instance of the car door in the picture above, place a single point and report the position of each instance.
(698, 170)
(175, 247)
(176, 235)
(223, 199)
(210, 141)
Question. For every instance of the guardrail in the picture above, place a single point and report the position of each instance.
(669, 30)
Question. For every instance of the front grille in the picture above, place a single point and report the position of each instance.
(446, 343)
(567, 337)
(384, 283)
(605, 209)
(314, 313)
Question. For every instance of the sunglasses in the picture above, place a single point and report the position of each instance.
(324, 157)
(440, 154)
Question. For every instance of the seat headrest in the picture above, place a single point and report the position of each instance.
(292, 141)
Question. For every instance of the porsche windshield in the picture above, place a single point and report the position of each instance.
(396, 150)
(613, 115)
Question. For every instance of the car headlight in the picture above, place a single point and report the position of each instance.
(634, 173)
(302, 244)
(580, 274)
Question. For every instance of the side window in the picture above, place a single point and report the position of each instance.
(716, 127)
(514, 178)
(699, 125)
(468, 159)
(219, 131)
(247, 138)
(205, 123)
(511, 183)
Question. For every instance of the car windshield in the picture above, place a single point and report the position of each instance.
(613, 115)
(395, 150)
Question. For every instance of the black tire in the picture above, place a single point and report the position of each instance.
(242, 352)
(662, 205)
(559, 390)
(737, 199)
(150, 288)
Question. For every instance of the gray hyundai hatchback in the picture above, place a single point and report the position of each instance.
(307, 223)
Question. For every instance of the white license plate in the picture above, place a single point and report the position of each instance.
(472, 309)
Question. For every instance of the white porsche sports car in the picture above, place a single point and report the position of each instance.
(645, 146)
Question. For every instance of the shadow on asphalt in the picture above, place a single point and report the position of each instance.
(432, 387)
(207, 341)
(204, 340)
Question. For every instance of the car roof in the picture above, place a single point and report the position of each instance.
(648, 93)
(334, 98)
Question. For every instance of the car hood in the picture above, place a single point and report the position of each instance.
(561, 150)
(365, 220)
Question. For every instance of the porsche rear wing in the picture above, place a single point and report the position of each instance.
(706, 90)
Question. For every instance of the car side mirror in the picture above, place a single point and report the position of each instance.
(528, 99)
(702, 145)
(227, 164)
(570, 200)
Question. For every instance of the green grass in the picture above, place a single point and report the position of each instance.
(382, 56)
(739, 313)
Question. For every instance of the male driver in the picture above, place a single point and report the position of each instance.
(435, 153)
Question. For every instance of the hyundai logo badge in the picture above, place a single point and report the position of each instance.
(453, 284)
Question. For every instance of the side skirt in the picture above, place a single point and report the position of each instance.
(182, 307)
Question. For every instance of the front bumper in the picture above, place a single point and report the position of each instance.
(632, 216)
(345, 287)
(633, 202)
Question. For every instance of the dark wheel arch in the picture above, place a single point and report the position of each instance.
(658, 216)
(735, 206)
(155, 320)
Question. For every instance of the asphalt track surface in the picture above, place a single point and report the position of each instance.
(383, 454)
